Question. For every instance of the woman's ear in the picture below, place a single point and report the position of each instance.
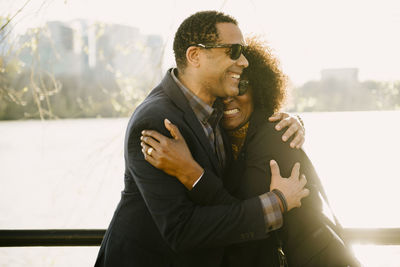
(193, 56)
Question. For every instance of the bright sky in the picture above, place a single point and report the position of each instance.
(307, 35)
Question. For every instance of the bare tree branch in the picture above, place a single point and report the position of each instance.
(16, 13)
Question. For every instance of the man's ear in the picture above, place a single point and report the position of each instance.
(193, 56)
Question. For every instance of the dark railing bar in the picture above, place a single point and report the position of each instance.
(51, 237)
(93, 237)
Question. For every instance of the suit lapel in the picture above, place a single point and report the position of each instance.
(195, 125)
(227, 146)
(176, 96)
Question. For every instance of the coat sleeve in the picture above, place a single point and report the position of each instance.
(183, 224)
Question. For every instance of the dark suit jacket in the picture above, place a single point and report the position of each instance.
(157, 222)
(250, 176)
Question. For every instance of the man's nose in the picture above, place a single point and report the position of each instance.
(242, 61)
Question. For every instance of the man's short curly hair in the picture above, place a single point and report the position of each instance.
(198, 28)
(265, 76)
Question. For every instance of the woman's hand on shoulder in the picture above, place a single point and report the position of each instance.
(294, 125)
(171, 155)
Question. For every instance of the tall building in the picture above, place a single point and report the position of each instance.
(128, 52)
(52, 49)
(346, 75)
(71, 48)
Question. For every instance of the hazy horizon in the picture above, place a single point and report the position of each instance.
(307, 37)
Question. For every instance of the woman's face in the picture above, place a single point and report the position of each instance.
(237, 110)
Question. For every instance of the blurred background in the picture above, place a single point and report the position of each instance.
(72, 72)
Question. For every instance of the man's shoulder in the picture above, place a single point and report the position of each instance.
(163, 99)
(150, 114)
(156, 102)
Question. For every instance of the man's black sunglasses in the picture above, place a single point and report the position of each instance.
(235, 50)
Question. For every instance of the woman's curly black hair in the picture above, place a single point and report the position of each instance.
(265, 77)
(199, 28)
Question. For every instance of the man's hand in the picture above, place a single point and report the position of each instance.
(292, 187)
(295, 127)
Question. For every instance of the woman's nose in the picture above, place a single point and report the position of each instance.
(227, 100)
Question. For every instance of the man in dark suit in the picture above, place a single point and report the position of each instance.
(157, 222)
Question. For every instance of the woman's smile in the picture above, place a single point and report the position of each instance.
(237, 110)
(229, 112)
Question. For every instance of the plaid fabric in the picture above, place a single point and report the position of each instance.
(272, 212)
(209, 118)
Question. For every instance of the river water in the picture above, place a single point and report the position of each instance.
(69, 174)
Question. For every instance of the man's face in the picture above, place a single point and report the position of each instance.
(220, 74)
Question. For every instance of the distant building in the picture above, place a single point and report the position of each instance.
(345, 75)
(340, 90)
(52, 48)
(75, 47)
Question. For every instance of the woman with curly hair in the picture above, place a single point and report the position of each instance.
(255, 143)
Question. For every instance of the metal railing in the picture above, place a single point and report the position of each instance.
(93, 237)
(51, 237)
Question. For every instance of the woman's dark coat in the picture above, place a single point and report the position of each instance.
(250, 175)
